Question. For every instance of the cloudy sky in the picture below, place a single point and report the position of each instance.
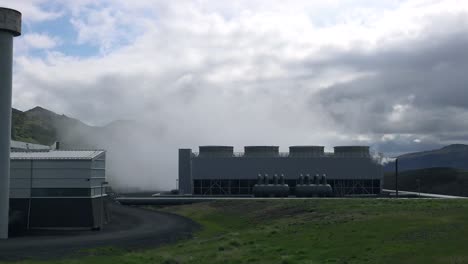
(390, 74)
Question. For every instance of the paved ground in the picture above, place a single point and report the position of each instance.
(430, 195)
(188, 199)
(130, 228)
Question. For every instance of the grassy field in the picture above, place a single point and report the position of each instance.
(313, 231)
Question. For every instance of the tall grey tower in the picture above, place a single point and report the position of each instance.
(10, 26)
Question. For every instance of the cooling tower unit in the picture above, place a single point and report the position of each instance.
(10, 26)
(306, 151)
(216, 151)
(261, 151)
(263, 171)
(352, 151)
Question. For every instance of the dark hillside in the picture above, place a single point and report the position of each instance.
(447, 181)
(452, 156)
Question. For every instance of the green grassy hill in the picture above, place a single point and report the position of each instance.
(27, 127)
(40, 125)
(323, 231)
(448, 181)
(310, 231)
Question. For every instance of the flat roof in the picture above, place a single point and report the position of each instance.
(56, 155)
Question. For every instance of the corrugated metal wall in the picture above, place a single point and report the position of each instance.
(31, 174)
(249, 168)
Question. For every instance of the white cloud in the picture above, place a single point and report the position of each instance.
(399, 112)
(40, 41)
(32, 10)
(388, 137)
(234, 72)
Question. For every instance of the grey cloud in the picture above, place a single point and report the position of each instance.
(401, 146)
(427, 74)
(193, 87)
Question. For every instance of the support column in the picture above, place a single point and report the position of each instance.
(10, 26)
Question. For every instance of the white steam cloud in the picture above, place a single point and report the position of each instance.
(254, 72)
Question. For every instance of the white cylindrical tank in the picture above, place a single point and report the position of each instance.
(10, 26)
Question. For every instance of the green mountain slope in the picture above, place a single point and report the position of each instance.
(27, 127)
(41, 126)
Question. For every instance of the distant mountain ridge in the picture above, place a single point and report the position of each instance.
(41, 126)
(33, 126)
(452, 156)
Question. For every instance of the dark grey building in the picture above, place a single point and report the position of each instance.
(58, 188)
(218, 170)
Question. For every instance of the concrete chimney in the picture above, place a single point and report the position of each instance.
(10, 26)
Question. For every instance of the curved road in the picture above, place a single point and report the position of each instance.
(129, 228)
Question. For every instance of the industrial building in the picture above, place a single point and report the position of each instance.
(54, 188)
(218, 170)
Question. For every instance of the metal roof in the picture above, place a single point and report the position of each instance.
(27, 146)
(57, 155)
